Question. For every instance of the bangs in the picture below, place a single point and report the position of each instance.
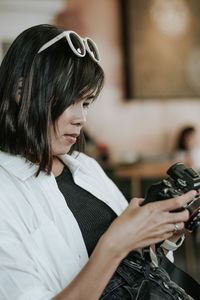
(91, 80)
(80, 79)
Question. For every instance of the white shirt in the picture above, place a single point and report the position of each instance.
(41, 246)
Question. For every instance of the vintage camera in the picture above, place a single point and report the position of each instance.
(181, 180)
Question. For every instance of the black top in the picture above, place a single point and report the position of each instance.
(93, 215)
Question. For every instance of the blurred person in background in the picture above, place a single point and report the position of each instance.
(187, 148)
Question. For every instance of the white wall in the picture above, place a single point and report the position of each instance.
(140, 126)
(17, 15)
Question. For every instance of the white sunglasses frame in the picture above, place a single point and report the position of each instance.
(83, 41)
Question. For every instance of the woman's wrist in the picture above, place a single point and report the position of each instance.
(115, 251)
(95, 275)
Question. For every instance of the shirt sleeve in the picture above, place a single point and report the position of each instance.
(19, 277)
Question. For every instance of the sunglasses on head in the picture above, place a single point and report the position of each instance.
(77, 44)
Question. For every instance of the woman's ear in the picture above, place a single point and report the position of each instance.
(19, 90)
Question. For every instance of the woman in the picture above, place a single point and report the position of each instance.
(64, 226)
(187, 147)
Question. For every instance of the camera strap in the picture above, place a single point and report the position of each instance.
(184, 280)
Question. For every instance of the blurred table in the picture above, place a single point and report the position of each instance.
(143, 170)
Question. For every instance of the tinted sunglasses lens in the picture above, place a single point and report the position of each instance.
(77, 44)
(93, 49)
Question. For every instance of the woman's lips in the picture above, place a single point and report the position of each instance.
(71, 138)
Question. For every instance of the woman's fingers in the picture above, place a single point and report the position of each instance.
(175, 217)
(175, 203)
(136, 202)
(139, 226)
(177, 227)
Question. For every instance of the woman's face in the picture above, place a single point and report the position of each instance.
(190, 140)
(68, 126)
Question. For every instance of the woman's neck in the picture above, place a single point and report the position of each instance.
(57, 166)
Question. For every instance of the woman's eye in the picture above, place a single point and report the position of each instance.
(86, 104)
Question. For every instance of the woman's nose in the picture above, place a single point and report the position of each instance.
(79, 116)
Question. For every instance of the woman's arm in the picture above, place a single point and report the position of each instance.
(136, 227)
(93, 278)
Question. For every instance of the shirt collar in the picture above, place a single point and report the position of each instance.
(23, 169)
(71, 161)
(17, 165)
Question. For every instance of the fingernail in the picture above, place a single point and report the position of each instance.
(194, 192)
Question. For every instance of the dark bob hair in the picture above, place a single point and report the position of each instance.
(36, 88)
(183, 136)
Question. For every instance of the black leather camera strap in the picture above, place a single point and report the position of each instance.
(184, 280)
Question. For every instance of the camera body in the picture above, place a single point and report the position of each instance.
(181, 180)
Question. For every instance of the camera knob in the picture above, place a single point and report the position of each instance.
(165, 191)
(182, 182)
(167, 183)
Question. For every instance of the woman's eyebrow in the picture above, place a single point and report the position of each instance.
(90, 97)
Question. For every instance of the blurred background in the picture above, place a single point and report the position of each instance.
(150, 52)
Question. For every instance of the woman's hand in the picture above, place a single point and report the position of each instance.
(140, 226)
(180, 231)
